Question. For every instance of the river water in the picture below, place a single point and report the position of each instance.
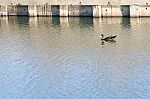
(64, 58)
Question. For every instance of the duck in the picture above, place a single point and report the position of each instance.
(108, 38)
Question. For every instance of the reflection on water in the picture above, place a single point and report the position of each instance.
(18, 20)
(125, 23)
(109, 41)
(86, 22)
(55, 21)
(62, 58)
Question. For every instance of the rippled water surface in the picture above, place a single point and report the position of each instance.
(64, 58)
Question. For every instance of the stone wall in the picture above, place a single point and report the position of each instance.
(77, 10)
(144, 10)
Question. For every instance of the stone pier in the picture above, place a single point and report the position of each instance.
(76, 10)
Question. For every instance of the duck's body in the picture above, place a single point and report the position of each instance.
(108, 38)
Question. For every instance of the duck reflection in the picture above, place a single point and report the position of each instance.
(110, 41)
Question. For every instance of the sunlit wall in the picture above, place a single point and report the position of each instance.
(66, 2)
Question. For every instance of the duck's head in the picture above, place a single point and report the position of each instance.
(102, 35)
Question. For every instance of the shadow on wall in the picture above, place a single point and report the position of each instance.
(86, 10)
(125, 10)
(55, 10)
(22, 10)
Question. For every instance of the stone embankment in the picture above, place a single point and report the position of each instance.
(76, 10)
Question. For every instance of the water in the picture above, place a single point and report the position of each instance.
(64, 58)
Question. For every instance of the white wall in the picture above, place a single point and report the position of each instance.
(63, 10)
(116, 11)
(145, 11)
(97, 11)
(32, 10)
(74, 10)
(75, 2)
(134, 11)
(3, 10)
(106, 11)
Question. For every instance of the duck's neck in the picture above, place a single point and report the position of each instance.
(102, 36)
